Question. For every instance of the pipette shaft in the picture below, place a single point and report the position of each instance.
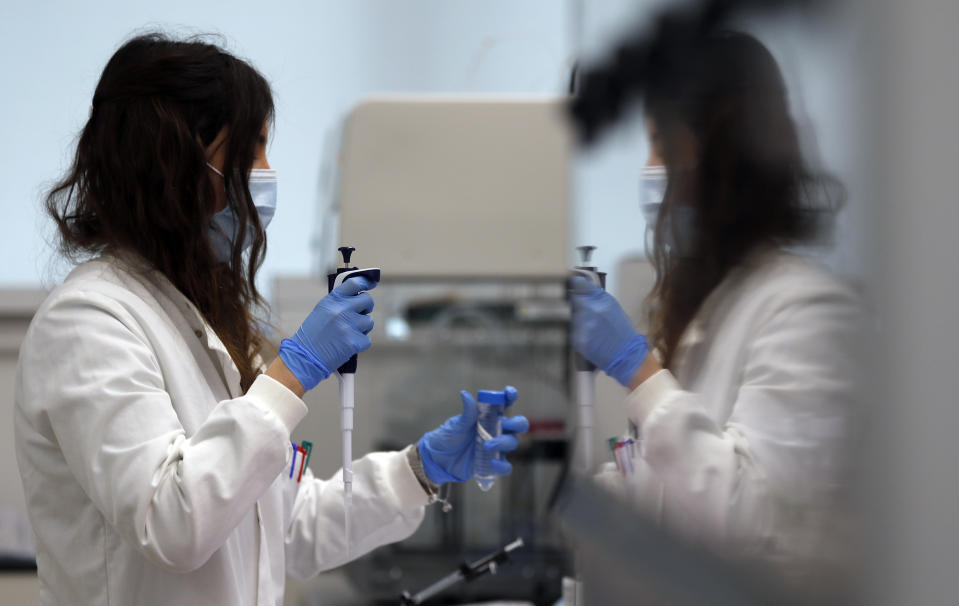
(586, 395)
(347, 403)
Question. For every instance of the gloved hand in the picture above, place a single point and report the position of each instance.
(603, 334)
(447, 452)
(334, 331)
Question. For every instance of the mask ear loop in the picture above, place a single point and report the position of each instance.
(225, 210)
(222, 176)
(216, 170)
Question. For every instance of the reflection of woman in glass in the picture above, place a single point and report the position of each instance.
(742, 406)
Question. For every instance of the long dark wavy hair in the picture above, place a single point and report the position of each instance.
(748, 187)
(745, 186)
(139, 181)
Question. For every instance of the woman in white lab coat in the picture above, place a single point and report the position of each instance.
(153, 441)
(742, 392)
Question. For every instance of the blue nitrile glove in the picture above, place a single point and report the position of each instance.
(602, 332)
(334, 331)
(447, 452)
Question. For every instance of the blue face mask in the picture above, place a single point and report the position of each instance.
(652, 191)
(224, 227)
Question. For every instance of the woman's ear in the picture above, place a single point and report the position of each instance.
(215, 157)
(216, 151)
(686, 146)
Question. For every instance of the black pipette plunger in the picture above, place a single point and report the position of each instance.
(586, 252)
(347, 252)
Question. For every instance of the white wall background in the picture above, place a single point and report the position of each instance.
(321, 57)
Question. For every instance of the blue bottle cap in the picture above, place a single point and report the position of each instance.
(491, 397)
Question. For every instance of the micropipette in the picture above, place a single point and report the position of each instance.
(586, 372)
(347, 376)
(466, 572)
(586, 397)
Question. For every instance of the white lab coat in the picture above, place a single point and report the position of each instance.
(151, 479)
(745, 446)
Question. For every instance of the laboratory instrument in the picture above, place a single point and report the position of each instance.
(432, 169)
(586, 400)
(586, 371)
(347, 376)
(489, 425)
(466, 572)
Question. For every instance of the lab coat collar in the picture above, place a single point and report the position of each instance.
(196, 325)
(697, 330)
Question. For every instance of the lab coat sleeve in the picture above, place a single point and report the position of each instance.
(388, 506)
(89, 368)
(779, 457)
